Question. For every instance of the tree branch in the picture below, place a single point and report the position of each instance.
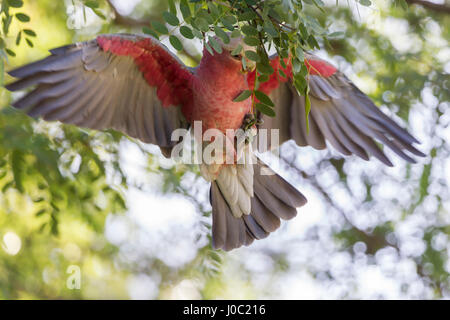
(440, 8)
(127, 21)
(372, 240)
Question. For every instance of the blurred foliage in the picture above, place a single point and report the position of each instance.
(60, 185)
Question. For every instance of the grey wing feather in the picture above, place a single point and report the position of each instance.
(341, 114)
(83, 85)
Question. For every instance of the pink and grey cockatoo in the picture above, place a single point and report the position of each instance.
(135, 85)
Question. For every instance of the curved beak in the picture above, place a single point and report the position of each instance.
(248, 66)
(251, 65)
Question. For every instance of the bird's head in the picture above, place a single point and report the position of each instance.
(232, 53)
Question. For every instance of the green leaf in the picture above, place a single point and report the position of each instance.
(15, 3)
(7, 186)
(263, 78)
(18, 38)
(318, 4)
(270, 29)
(366, 3)
(249, 30)
(172, 7)
(197, 34)
(265, 68)
(237, 50)
(215, 45)
(297, 65)
(91, 4)
(313, 42)
(336, 34)
(247, 16)
(29, 42)
(2, 72)
(17, 165)
(99, 14)
(252, 55)
(222, 34)
(203, 13)
(265, 109)
(186, 32)
(273, 13)
(40, 212)
(159, 27)
(244, 63)
(171, 19)
(54, 225)
(300, 83)
(208, 47)
(213, 9)
(229, 22)
(29, 32)
(403, 4)
(251, 41)
(263, 98)
(185, 10)
(6, 24)
(303, 31)
(202, 24)
(2, 46)
(299, 53)
(10, 52)
(175, 42)
(22, 17)
(244, 95)
(425, 181)
(236, 33)
(307, 109)
(149, 31)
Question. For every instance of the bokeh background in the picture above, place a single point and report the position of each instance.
(138, 226)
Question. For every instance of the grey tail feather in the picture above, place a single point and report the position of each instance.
(274, 199)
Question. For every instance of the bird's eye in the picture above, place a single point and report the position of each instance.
(236, 56)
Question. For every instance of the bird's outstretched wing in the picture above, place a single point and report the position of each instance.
(340, 113)
(125, 82)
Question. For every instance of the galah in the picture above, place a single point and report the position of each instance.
(134, 84)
